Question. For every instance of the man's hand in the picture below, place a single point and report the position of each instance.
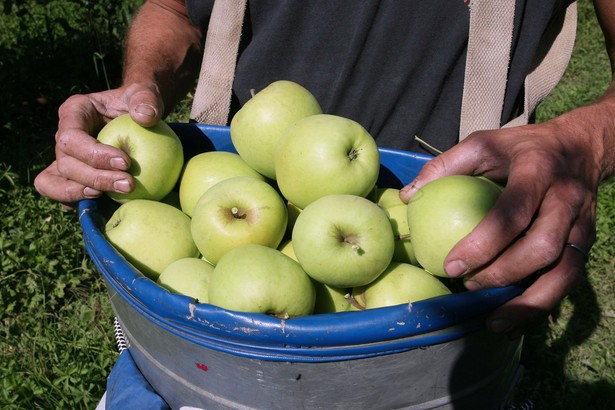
(551, 173)
(83, 167)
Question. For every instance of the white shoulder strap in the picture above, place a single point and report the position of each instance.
(487, 64)
(212, 98)
(487, 60)
(553, 63)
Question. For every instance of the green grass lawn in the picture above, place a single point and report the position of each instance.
(56, 324)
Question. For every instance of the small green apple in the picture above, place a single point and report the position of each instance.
(260, 279)
(443, 212)
(399, 283)
(389, 200)
(293, 214)
(330, 299)
(188, 276)
(257, 126)
(204, 170)
(156, 156)
(238, 211)
(324, 155)
(343, 240)
(150, 235)
(286, 248)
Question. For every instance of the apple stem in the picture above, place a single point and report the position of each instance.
(237, 213)
(252, 92)
(353, 301)
(353, 154)
(402, 237)
(430, 147)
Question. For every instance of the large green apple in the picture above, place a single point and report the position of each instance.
(389, 200)
(328, 298)
(156, 156)
(204, 170)
(150, 235)
(343, 240)
(188, 276)
(443, 212)
(399, 283)
(260, 279)
(324, 155)
(238, 211)
(257, 126)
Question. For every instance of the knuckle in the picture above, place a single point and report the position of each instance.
(72, 193)
(575, 192)
(492, 278)
(71, 102)
(548, 248)
(499, 278)
(517, 219)
(62, 166)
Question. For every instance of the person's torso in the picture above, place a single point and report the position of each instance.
(396, 67)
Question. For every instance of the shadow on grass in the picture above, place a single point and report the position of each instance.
(546, 380)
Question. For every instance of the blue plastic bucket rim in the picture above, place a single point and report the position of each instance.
(322, 337)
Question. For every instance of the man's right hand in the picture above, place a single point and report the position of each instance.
(85, 168)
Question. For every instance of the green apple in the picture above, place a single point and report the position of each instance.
(238, 211)
(388, 199)
(343, 240)
(293, 213)
(399, 283)
(324, 155)
(188, 276)
(260, 279)
(443, 212)
(286, 248)
(150, 235)
(330, 299)
(204, 170)
(257, 126)
(156, 156)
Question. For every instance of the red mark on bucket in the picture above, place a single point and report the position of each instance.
(202, 367)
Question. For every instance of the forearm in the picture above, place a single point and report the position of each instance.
(590, 130)
(163, 49)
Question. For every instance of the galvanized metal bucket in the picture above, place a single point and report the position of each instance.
(433, 354)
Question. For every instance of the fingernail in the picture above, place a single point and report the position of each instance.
(121, 186)
(145, 109)
(118, 163)
(409, 188)
(90, 192)
(456, 268)
(500, 325)
(472, 285)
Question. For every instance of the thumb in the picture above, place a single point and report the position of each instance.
(144, 104)
(432, 170)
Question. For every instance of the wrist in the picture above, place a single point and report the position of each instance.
(591, 129)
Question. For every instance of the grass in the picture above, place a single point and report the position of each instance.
(56, 324)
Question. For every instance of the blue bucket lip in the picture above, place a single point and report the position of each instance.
(307, 338)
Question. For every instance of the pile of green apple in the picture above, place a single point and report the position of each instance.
(291, 224)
